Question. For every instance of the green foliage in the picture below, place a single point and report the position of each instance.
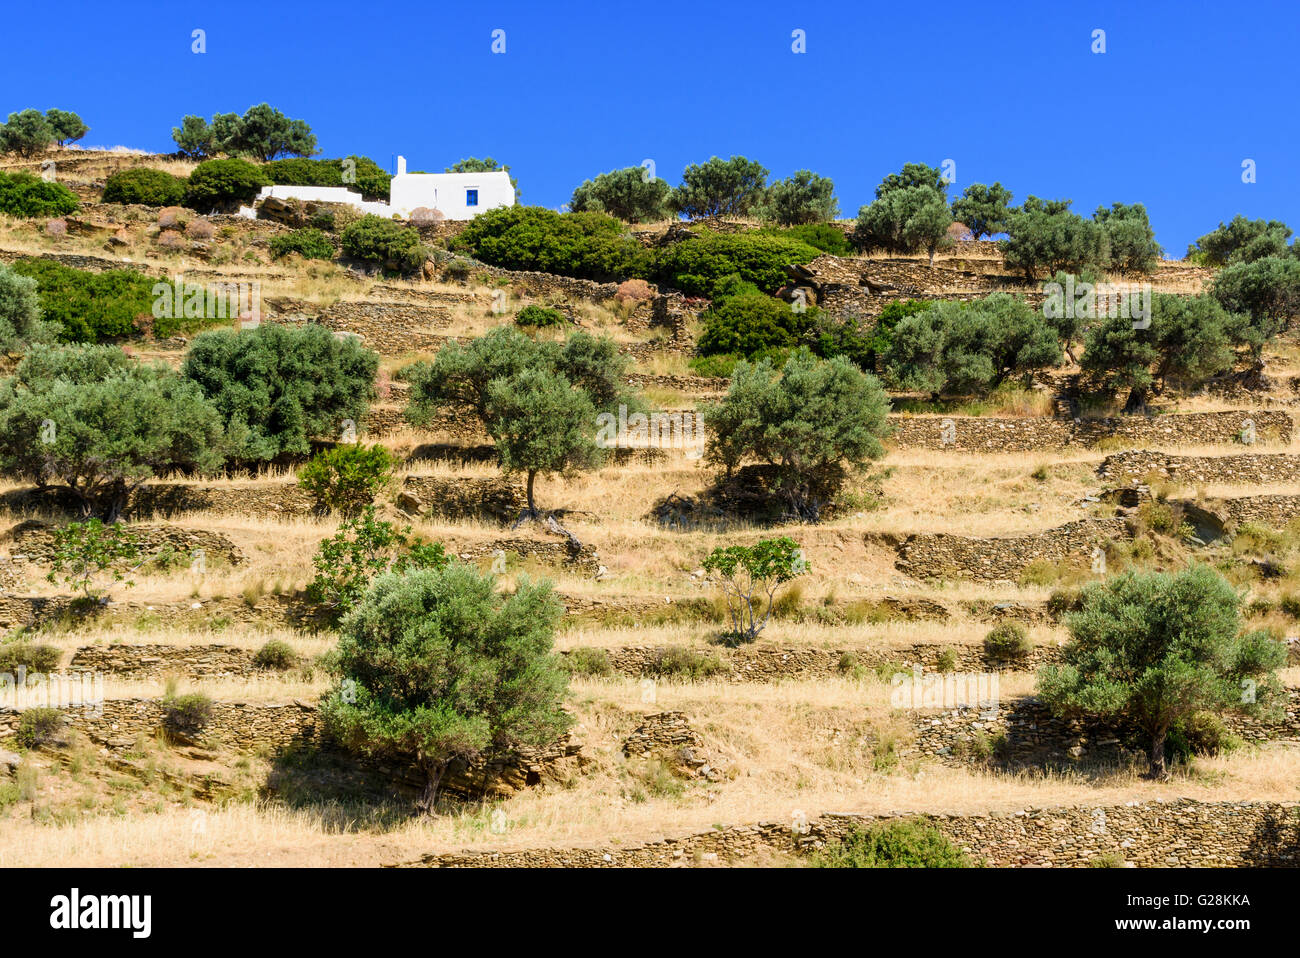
(1045, 235)
(1007, 642)
(276, 655)
(437, 665)
(704, 265)
(384, 243)
(38, 726)
(27, 196)
(540, 316)
(21, 325)
(984, 210)
(89, 555)
(1154, 649)
(88, 307)
(803, 198)
(223, 185)
(629, 194)
(587, 661)
(744, 570)
(27, 133)
(146, 186)
(685, 664)
(308, 243)
(826, 237)
(906, 219)
(263, 132)
(276, 387)
(358, 173)
(969, 348)
(1132, 242)
(362, 548)
(808, 423)
(720, 187)
(1267, 290)
(102, 423)
(911, 176)
(1189, 340)
(586, 245)
(751, 324)
(1241, 241)
(187, 713)
(348, 477)
(67, 126)
(907, 844)
(538, 400)
(29, 656)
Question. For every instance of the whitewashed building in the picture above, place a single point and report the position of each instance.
(457, 196)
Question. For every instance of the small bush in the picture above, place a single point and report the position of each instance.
(223, 185)
(750, 324)
(200, 229)
(39, 727)
(680, 662)
(35, 658)
(24, 195)
(384, 243)
(171, 240)
(187, 712)
(588, 661)
(540, 316)
(1202, 733)
(144, 186)
(308, 243)
(909, 844)
(347, 478)
(1107, 860)
(277, 655)
(947, 661)
(1007, 642)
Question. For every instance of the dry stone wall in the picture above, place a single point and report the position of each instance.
(941, 555)
(1178, 833)
(1139, 465)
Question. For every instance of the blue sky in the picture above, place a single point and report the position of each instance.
(1183, 94)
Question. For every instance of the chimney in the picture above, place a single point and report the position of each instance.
(401, 165)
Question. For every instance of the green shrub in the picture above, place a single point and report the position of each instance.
(146, 186)
(223, 185)
(1107, 860)
(21, 321)
(91, 307)
(907, 844)
(826, 237)
(1007, 641)
(1201, 733)
(540, 316)
(366, 176)
(719, 367)
(24, 195)
(700, 265)
(680, 662)
(187, 712)
(275, 654)
(308, 243)
(586, 245)
(588, 661)
(752, 323)
(384, 243)
(38, 726)
(347, 478)
(947, 661)
(34, 658)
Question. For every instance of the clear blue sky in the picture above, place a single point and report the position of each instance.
(1009, 91)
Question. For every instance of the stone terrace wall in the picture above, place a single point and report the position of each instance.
(1269, 510)
(1259, 468)
(1180, 833)
(33, 541)
(150, 661)
(944, 556)
(989, 434)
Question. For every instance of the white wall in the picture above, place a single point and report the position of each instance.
(446, 192)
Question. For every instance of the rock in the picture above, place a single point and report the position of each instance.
(410, 503)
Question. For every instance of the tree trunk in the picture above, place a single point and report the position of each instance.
(1156, 757)
(433, 781)
(532, 506)
(1137, 401)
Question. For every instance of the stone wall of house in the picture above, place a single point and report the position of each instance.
(991, 434)
(940, 555)
(1179, 833)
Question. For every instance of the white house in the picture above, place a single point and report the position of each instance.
(458, 196)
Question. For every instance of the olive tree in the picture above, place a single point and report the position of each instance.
(983, 209)
(438, 666)
(1153, 649)
(630, 194)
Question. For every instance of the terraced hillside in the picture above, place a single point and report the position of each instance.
(687, 749)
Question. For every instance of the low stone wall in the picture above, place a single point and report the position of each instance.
(990, 434)
(1180, 833)
(1139, 465)
(33, 541)
(1274, 511)
(940, 555)
(151, 661)
(584, 559)
(454, 497)
(548, 286)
